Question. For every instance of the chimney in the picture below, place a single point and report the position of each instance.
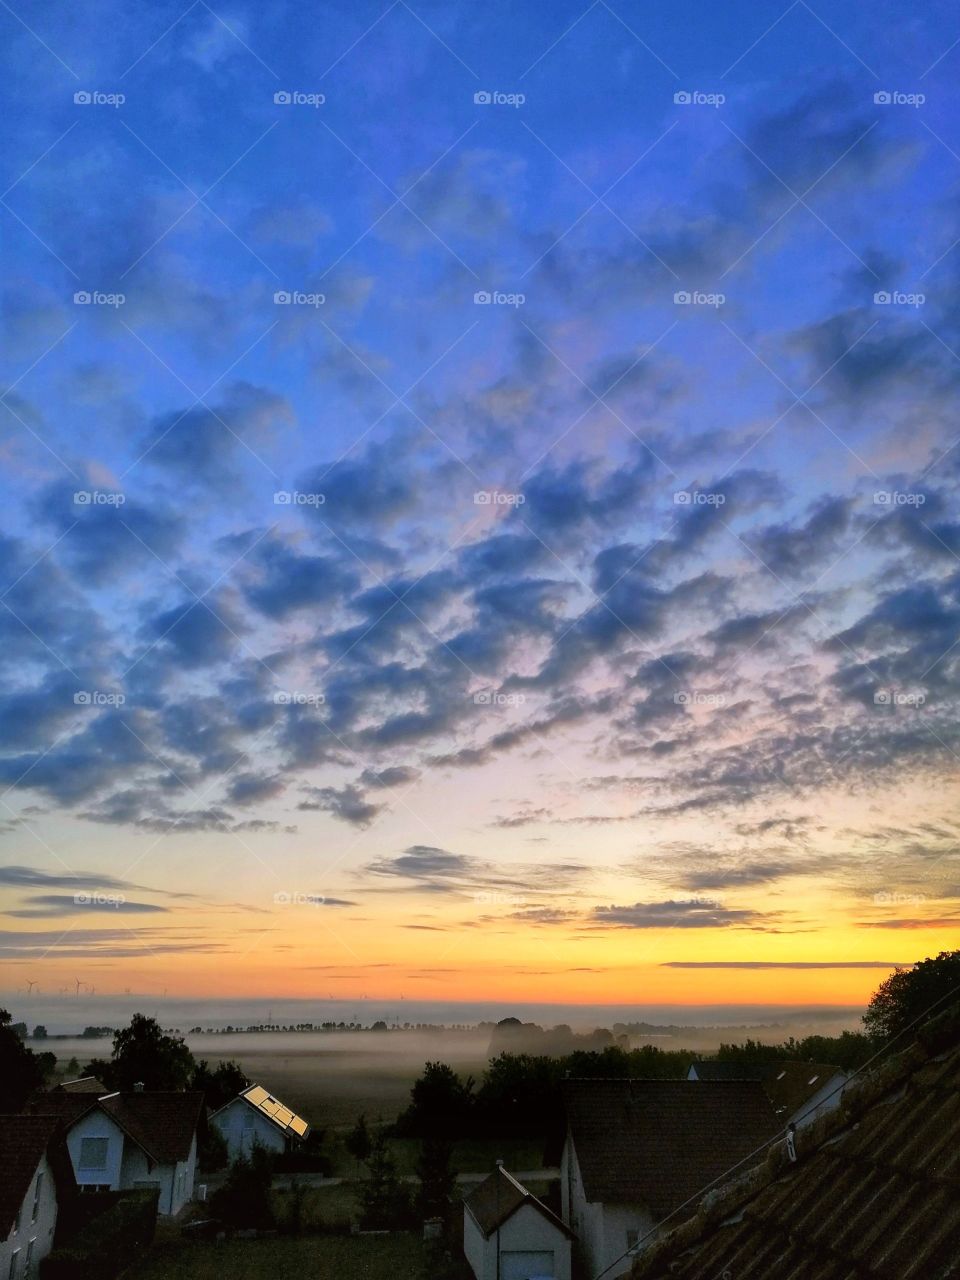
(138, 1087)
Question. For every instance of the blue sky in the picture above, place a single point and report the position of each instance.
(517, 465)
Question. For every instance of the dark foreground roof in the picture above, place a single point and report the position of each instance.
(789, 1083)
(85, 1084)
(874, 1192)
(24, 1140)
(498, 1197)
(659, 1142)
(161, 1122)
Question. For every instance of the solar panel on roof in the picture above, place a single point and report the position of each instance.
(256, 1095)
(298, 1126)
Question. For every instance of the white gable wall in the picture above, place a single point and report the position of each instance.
(128, 1168)
(525, 1232)
(97, 1124)
(39, 1230)
(601, 1229)
(243, 1126)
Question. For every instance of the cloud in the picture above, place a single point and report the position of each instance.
(787, 964)
(51, 905)
(348, 803)
(677, 915)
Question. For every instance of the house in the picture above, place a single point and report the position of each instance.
(36, 1183)
(256, 1118)
(871, 1190)
(501, 1217)
(131, 1141)
(638, 1151)
(801, 1092)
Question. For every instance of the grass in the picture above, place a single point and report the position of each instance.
(395, 1257)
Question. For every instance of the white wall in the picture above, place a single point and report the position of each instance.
(527, 1231)
(40, 1230)
(601, 1229)
(97, 1124)
(827, 1098)
(243, 1125)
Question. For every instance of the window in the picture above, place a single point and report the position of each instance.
(14, 1265)
(36, 1203)
(93, 1153)
(93, 1188)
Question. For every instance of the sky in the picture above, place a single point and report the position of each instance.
(479, 499)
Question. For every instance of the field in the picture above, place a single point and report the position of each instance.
(395, 1257)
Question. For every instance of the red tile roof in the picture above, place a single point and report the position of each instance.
(24, 1140)
(85, 1084)
(661, 1142)
(162, 1123)
(499, 1197)
(874, 1192)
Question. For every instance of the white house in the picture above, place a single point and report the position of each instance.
(640, 1153)
(800, 1092)
(256, 1118)
(500, 1216)
(132, 1141)
(36, 1181)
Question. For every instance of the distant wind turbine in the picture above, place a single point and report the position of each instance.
(79, 985)
(30, 985)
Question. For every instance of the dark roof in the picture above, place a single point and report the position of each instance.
(661, 1142)
(788, 1082)
(85, 1084)
(24, 1140)
(68, 1107)
(162, 1123)
(874, 1192)
(498, 1197)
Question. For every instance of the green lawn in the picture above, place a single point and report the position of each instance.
(395, 1257)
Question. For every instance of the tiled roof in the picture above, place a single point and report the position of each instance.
(499, 1197)
(85, 1084)
(660, 1142)
(162, 1123)
(874, 1192)
(789, 1083)
(23, 1141)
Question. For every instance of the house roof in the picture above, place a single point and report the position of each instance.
(498, 1197)
(161, 1122)
(661, 1142)
(788, 1082)
(873, 1192)
(24, 1140)
(85, 1084)
(286, 1120)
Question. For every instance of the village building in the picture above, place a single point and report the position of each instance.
(256, 1118)
(36, 1184)
(800, 1092)
(509, 1234)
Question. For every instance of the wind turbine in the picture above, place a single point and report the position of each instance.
(30, 985)
(79, 985)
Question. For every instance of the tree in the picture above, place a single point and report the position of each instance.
(244, 1198)
(384, 1200)
(908, 996)
(440, 1103)
(212, 1151)
(20, 1069)
(358, 1142)
(437, 1178)
(220, 1084)
(144, 1054)
(40, 1032)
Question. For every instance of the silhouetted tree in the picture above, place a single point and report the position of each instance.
(244, 1198)
(904, 1000)
(220, 1084)
(143, 1053)
(384, 1200)
(437, 1177)
(358, 1142)
(21, 1070)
